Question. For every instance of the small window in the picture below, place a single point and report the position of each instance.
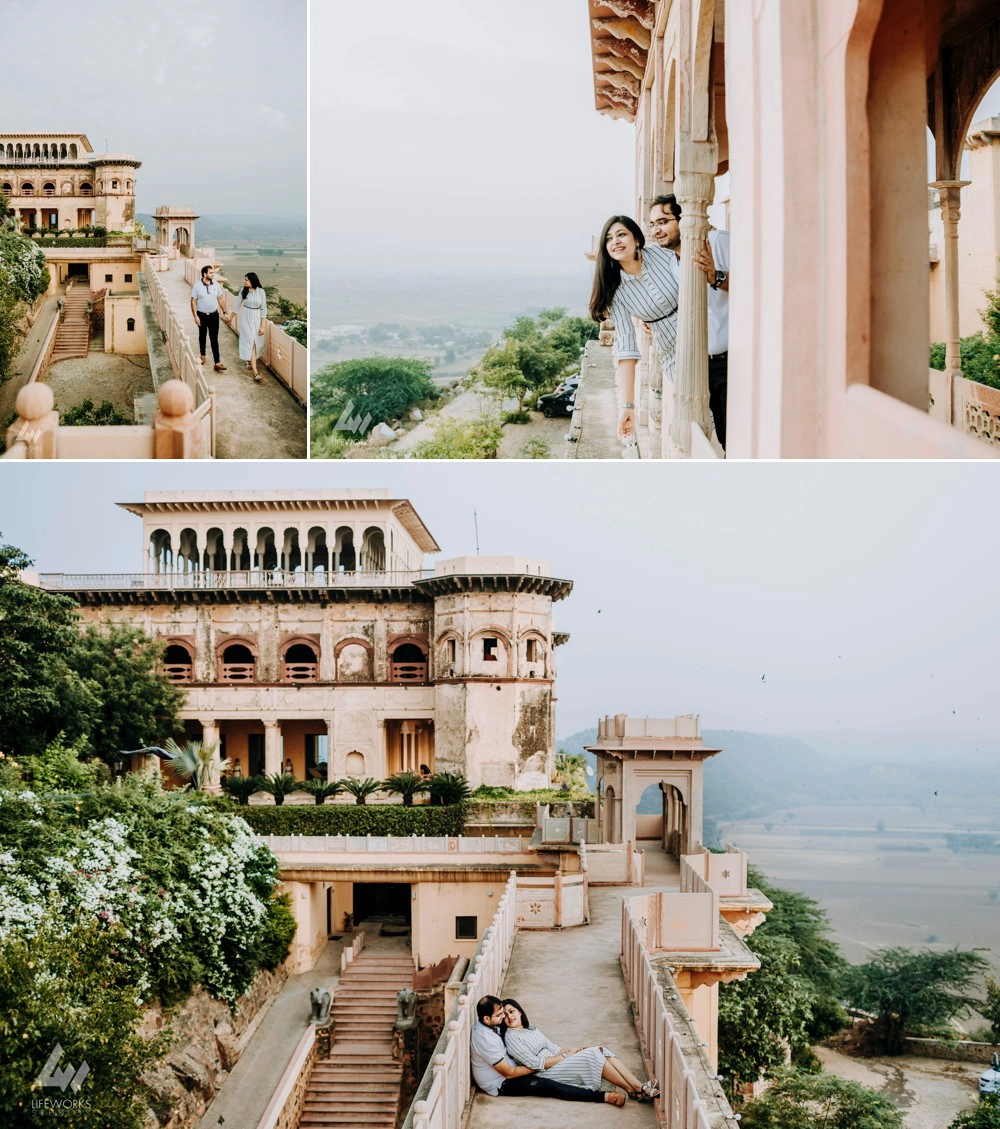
(451, 650)
(109, 278)
(128, 278)
(130, 325)
(466, 929)
(531, 650)
(114, 186)
(490, 650)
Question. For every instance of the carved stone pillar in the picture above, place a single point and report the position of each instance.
(210, 736)
(694, 193)
(272, 748)
(334, 770)
(950, 193)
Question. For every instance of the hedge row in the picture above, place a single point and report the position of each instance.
(353, 819)
(71, 241)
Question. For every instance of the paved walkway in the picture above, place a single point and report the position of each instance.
(27, 355)
(571, 984)
(245, 1093)
(598, 410)
(252, 421)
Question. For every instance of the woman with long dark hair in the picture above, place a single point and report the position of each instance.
(632, 280)
(251, 309)
(577, 1066)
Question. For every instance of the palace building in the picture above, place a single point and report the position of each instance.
(310, 635)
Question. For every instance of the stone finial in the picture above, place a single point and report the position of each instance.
(175, 398)
(37, 422)
(34, 401)
(177, 433)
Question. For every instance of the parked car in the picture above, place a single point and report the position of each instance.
(989, 1080)
(558, 403)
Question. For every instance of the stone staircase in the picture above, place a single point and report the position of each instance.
(73, 335)
(358, 1086)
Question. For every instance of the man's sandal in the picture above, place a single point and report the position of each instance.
(614, 1097)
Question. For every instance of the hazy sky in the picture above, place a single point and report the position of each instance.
(458, 135)
(211, 97)
(770, 597)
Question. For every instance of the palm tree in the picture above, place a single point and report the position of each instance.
(195, 762)
(448, 788)
(407, 785)
(278, 785)
(241, 788)
(320, 789)
(571, 771)
(361, 789)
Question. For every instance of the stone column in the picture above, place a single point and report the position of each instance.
(333, 771)
(272, 747)
(950, 193)
(210, 736)
(694, 193)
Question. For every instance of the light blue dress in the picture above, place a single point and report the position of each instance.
(529, 1047)
(251, 312)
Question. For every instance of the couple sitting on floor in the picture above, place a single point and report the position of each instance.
(511, 1057)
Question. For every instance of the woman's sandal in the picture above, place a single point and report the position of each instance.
(258, 379)
(647, 1091)
(614, 1097)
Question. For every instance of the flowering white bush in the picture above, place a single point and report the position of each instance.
(185, 889)
(21, 265)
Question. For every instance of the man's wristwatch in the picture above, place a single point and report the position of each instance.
(627, 406)
(720, 278)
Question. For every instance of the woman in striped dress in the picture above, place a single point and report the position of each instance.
(582, 1066)
(633, 280)
(251, 309)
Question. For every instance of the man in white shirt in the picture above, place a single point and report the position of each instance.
(664, 224)
(205, 297)
(496, 1073)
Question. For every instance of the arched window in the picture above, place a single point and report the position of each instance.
(239, 556)
(62, 150)
(114, 186)
(27, 188)
(346, 558)
(86, 188)
(237, 663)
(354, 660)
(373, 550)
(317, 553)
(128, 185)
(7, 188)
(178, 663)
(449, 656)
(300, 663)
(130, 325)
(408, 663)
(48, 188)
(72, 151)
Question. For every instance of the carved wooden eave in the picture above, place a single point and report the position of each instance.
(620, 38)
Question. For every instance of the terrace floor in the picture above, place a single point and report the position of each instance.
(571, 984)
(252, 421)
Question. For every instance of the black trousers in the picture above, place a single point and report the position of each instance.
(531, 1086)
(209, 325)
(718, 378)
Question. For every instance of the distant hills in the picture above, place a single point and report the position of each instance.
(226, 226)
(758, 773)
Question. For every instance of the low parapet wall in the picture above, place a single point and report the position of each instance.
(979, 1053)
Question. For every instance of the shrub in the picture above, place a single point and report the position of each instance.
(279, 785)
(86, 415)
(519, 416)
(407, 785)
(354, 819)
(536, 448)
(802, 1101)
(361, 789)
(241, 788)
(448, 788)
(277, 932)
(985, 1116)
(320, 790)
(59, 767)
(456, 438)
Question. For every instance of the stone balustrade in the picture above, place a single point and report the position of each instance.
(210, 579)
(446, 1086)
(179, 431)
(284, 845)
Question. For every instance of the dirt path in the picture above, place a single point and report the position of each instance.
(929, 1091)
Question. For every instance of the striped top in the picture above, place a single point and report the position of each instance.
(649, 296)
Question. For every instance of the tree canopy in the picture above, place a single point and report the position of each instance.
(911, 992)
(797, 1100)
(383, 388)
(100, 684)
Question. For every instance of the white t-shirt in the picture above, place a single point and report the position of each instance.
(718, 300)
(487, 1048)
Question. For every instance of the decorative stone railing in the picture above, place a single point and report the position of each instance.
(408, 672)
(690, 1094)
(239, 672)
(553, 901)
(178, 672)
(299, 672)
(969, 406)
(208, 579)
(183, 358)
(446, 1086)
(178, 430)
(398, 844)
